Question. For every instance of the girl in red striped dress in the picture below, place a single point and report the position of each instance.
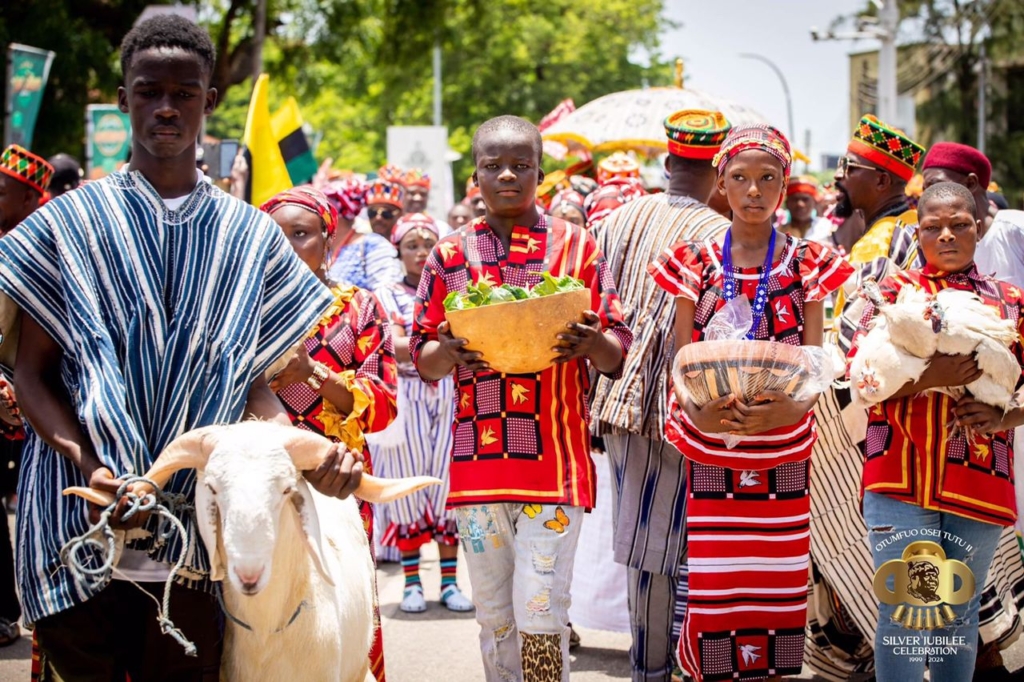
(748, 508)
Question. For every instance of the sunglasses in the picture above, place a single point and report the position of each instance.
(385, 213)
(845, 164)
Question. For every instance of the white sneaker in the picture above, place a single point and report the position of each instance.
(413, 601)
(453, 598)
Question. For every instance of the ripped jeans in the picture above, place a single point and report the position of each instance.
(953, 649)
(520, 559)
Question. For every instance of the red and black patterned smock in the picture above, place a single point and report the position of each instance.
(807, 271)
(519, 437)
(911, 452)
(354, 340)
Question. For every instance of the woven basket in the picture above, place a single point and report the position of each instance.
(712, 369)
(517, 337)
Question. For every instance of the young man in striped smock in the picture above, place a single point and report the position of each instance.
(153, 304)
(647, 472)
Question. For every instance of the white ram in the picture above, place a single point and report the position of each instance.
(298, 567)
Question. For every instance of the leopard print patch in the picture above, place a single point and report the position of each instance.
(542, 658)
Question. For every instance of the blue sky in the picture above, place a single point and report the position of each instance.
(713, 34)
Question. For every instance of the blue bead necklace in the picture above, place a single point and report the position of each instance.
(729, 288)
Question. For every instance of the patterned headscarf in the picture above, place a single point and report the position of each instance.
(758, 136)
(411, 222)
(803, 184)
(347, 196)
(609, 197)
(570, 197)
(305, 197)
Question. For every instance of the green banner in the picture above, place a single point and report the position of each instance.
(109, 135)
(27, 71)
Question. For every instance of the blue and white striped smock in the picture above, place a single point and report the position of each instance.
(165, 319)
(371, 262)
(419, 441)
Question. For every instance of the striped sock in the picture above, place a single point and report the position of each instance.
(411, 569)
(448, 573)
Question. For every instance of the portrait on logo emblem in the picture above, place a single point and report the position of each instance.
(924, 586)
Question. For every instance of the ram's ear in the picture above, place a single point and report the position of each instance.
(309, 522)
(208, 521)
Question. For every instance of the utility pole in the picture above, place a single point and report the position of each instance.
(884, 29)
(888, 23)
(259, 31)
(982, 87)
(785, 89)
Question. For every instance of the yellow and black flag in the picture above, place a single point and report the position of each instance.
(268, 173)
(287, 126)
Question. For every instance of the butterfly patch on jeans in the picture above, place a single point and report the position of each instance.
(532, 510)
(559, 523)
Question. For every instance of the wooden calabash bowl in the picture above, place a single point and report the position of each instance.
(517, 337)
(712, 369)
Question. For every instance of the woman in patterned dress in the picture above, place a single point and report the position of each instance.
(341, 382)
(748, 510)
(363, 259)
(420, 442)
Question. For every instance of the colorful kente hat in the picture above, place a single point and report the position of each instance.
(619, 165)
(382, 191)
(415, 177)
(696, 133)
(26, 167)
(886, 147)
(803, 184)
(391, 173)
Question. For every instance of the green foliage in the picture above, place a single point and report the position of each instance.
(954, 31)
(358, 66)
(85, 35)
(483, 294)
(507, 56)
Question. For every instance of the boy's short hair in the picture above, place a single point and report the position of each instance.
(168, 30)
(948, 190)
(513, 124)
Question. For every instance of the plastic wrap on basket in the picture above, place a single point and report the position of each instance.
(730, 364)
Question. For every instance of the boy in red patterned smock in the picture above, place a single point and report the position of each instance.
(521, 474)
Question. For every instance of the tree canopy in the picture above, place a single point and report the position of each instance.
(953, 32)
(358, 66)
(511, 56)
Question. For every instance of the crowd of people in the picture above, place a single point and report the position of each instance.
(151, 303)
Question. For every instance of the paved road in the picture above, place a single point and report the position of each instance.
(439, 645)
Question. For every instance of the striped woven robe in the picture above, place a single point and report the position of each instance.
(165, 319)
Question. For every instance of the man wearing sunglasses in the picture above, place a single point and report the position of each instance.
(384, 206)
(873, 177)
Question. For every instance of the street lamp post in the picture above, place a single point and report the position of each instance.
(785, 87)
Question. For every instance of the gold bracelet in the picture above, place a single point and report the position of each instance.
(319, 376)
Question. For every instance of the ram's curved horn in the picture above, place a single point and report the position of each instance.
(98, 497)
(308, 451)
(380, 490)
(188, 451)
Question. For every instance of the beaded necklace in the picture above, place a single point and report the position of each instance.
(729, 288)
